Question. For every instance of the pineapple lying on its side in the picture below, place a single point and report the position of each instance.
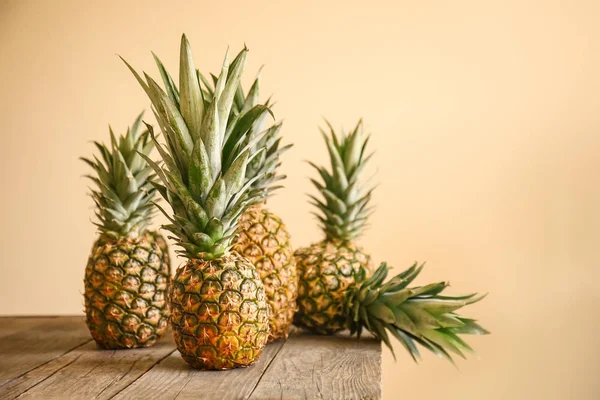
(337, 289)
(219, 308)
(128, 271)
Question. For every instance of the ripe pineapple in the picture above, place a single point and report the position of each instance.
(329, 268)
(337, 289)
(264, 239)
(219, 308)
(262, 236)
(128, 271)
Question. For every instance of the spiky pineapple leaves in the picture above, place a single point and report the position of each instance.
(245, 130)
(344, 208)
(203, 173)
(417, 315)
(123, 194)
(191, 102)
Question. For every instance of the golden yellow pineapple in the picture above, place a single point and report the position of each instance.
(220, 311)
(265, 241)
(127, 274)
(328, 269)
(262, 236)
(338, 288)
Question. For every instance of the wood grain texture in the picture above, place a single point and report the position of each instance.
(88, 372)
(173, 378)
(22, 351)
(11, 325)
(324, 367)
(54, 358)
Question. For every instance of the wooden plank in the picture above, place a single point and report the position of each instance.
(173, 378)
(49, 358)
(88, 372)
(22, 351)
(19, 385)
(12, 325)
(323, 367)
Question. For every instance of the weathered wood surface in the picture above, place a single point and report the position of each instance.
(174, 378)
(323, 367)
(10, 325)
(36, 344)
(54, 358)
(88, 372)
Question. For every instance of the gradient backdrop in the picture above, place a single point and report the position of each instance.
(485, 117)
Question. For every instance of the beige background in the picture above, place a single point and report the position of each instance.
(485, 117)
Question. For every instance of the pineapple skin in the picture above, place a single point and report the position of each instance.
(327, 270)
(264, 240)
(220, 315)
(126, 282)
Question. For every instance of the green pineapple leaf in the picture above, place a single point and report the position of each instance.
(412, 315)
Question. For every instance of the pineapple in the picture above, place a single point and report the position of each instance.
(219, 307)
(262, 236)
(337, 288)
(329, 268)
(264, 239)
(128, 271)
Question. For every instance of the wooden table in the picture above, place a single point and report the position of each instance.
(55, 358)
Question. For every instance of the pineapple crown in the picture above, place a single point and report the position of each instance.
(205, 156)
(124, 192)
(265, 142)
(412, 315)
(345, 209)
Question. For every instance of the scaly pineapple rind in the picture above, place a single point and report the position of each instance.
(265, 241)
(326, 271)
(220, 315)
(126, 283)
